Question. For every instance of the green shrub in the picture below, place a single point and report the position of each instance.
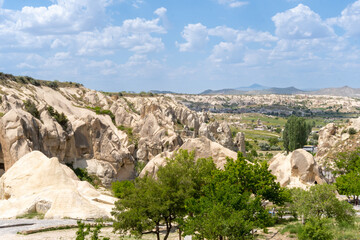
(83, 175)
(316, 229)
(352, 131)
(100, 111)
(59, 117)
(120, 189)
(31, 108)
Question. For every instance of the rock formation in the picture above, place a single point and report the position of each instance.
(39, 184)
(335, 138)
(107, 134)
(298, 169)
(240, 142)
(203, 148)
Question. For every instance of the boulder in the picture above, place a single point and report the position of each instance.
(36, 183)
(298, 169)
(203, 148)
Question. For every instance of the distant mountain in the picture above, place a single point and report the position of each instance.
(280, 91)
(253, 87)
(223, 92)
(162, 92)
(345, 91)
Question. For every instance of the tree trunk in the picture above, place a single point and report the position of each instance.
(168, 228)
(179, 233)
(157, 232)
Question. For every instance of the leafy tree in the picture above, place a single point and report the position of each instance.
(347, 162)
(231, 204)
(321, 202)
(151, 202)
(273, 141)
(316, 229)
(349, 184)
(121, 189)
(264, 146)
(296, 133)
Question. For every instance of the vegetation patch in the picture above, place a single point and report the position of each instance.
(31, 215)
(129, 132)
(30, 107)
(29, 80)
(83, 175)
(100, 111)
(59, 117)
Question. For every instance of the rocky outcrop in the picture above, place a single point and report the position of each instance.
(218, 132)
(39, 184)
(335, 138)
(298, 169)
(113, 130)
(240, 142)
(203, 148)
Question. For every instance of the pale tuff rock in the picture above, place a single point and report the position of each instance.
(218, 132)
(203, 148)
(298, 169)
(36, 183)
(240, 142)
(149, 126)
(335, 138)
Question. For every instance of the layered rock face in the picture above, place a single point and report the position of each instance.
(107, 134)
(335, 138)
(203, 148)
(39, 184)
(298, 169)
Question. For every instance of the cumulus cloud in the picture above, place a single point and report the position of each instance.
(232, 3)
(301, 23)
(63, 17)
(196, 36)
(134, 35)
(349, 19)
(160, 11)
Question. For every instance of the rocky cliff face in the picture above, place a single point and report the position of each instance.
(106, 133)
(335, 138)
(298, 169)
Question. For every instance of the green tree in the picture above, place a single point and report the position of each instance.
(321, 202)
(232, 203)
(316, 229)
(273, 141)
(151, 202)
(296, 133)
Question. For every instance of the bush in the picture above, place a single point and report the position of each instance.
(120, 189)
(31, 108)
(352, 131)
(316, 229)
(264, 146)
(59, 117)
(100, 111)
(83, 175)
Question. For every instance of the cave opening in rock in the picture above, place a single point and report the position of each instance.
(2, 164)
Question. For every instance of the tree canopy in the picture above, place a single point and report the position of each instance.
(295, 133)
(206, 202)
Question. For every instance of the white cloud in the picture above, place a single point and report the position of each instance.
(63, 17)
(196, 36)
(349, 19)
(301, 23)
(160, 11)
(233, 3)
(134, 35)
(227, 52)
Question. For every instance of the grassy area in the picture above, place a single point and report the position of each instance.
(32, 215)
(340, 232)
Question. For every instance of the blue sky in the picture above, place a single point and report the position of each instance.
(183, 46)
